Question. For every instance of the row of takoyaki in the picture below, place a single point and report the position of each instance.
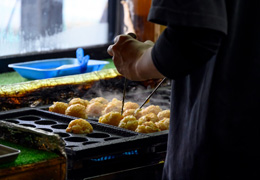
(146, 120)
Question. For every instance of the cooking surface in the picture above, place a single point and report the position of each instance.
(106, 143)
(56, 123)
(108, 146)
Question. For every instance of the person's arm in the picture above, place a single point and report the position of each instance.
(177, 52)
(145, 68)
(132, 58)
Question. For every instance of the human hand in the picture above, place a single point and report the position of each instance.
(128, 53)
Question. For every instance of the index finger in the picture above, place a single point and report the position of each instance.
(110, 51)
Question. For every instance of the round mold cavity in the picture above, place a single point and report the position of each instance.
(12, 121)
(45, 122)
(75, 139)
(28, 125)
(60, 126)
(90, 142)
(29, 118)
(63, 134)
(46, 129)
(98, 135)
(111, 138)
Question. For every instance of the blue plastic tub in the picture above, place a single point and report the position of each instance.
(43, 69)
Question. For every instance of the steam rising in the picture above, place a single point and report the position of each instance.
(135, 92)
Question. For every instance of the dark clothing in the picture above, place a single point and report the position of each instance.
(210, 14)
(190, 48)
(215, 126)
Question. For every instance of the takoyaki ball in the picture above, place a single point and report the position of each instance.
(111, 107)
(130, 105)
(147, 127)
(95, 109)
(138, 112)
(164, 114)
(77, 110)
(59, 107)
(79, 126)
(79, 101)
(129, 122)
(148, 117)
(116, 102)
(151, 109)
(99, 99)
(112, 118)
(129, 112)
(163, 124)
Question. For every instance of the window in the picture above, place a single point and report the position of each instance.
(32, 26)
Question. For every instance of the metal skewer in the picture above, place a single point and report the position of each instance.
(150, 95)
(125, 82)
(123, 100)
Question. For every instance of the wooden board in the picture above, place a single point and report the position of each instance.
(54, 169)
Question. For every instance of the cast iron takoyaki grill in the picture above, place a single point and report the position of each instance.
(108, 148)
(105, 146)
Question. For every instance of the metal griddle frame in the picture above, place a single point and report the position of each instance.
(131, 151)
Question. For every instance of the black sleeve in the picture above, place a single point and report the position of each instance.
(209, 14)
(180, 50)
(193, 34)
